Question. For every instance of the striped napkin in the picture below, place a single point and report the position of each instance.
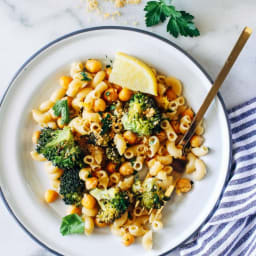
(231, 231)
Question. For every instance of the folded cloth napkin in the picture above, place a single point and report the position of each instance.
(231, 231)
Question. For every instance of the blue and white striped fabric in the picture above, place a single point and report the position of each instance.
(231, 231)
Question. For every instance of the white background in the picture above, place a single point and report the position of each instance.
(28, 25)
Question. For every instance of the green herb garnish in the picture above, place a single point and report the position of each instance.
(180, 22)
(85, 77)
(61, 109)
(112, 107)
(72, 224)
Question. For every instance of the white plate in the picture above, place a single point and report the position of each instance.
(24, 181)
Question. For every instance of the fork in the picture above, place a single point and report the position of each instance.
(184, 141)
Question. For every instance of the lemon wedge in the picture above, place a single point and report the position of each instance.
(133, 74)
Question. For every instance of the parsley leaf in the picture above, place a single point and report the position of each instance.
(183, 25)
(61, 109)
(85, 77)
(180, 22)
(72, 224)
(156, 12)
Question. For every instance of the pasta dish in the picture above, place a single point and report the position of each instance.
(108, 141)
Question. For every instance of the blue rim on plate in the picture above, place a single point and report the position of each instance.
(138, 31)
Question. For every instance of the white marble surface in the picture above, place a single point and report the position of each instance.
(27, 25)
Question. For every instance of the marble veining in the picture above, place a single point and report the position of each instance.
(27, 25)
(14, 12)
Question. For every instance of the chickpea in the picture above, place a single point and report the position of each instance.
(127, 239)
(171, 94)
(35, 136)
(188, 112)
(74, 209)
(110, 95)
(111, 167)
(196, 141)
(99, 105)
(93, 65)
(130, 137)
(161, 136)
(125, 94)
(91, 183)
(183, 185)
(50, 196)
(99, 223)
(64, 81)
(126, 169)
(88, 201)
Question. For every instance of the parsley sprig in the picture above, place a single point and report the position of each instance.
(85, 77)
(180, 22)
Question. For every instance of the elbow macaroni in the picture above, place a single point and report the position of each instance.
(99, 77)
(88, 225)
(120, 143)
(200, 151)
(173, 150)
(154, 145)
(200, 169)
(78, 124)
(76, 67)
(170, 133)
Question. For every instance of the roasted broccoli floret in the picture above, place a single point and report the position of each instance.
(150, 194)
(142, 115)
(113, 155)
(113, 203)
(71, 187)
(99, 140)
(59, 147)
